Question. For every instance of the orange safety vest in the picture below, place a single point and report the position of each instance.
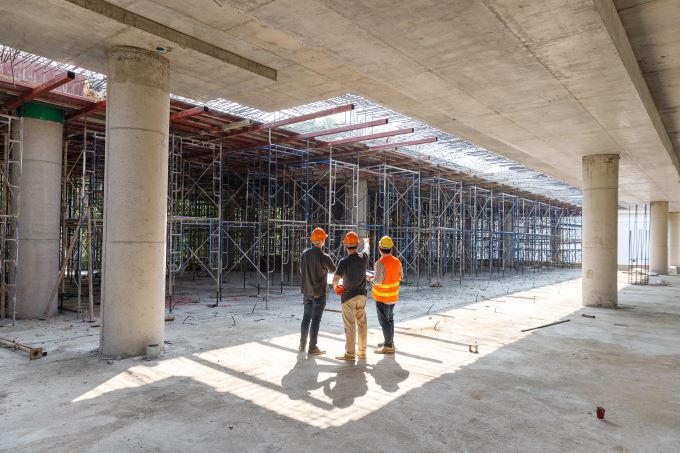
(388, 291)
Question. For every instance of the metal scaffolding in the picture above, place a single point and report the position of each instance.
(11, 141)
(82, 207)
(245, 216)
(638, 244)
(194, 237)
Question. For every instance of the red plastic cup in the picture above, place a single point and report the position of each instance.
(600, 412)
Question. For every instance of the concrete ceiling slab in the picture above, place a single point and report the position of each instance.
(542, 83)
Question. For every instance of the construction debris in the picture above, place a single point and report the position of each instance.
(33, 353)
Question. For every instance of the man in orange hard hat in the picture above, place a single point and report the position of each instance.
(315, 265)
(352, 271)
(385, 291)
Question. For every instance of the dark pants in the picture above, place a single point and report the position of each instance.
(313, 311)
(386, 319)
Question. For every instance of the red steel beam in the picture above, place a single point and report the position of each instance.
(422, 141)
(362, 138)
(191, 127)
(44, 88)
(293, 120)
(189, 112)
(335, 130)
(74, 101)
(86, 111)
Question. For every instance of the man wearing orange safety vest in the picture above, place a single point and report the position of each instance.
(385, 292)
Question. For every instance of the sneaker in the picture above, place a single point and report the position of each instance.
(315, 351)
(385, 350)
(303, 346)
(346, 356)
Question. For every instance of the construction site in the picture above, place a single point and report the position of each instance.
(163, 164)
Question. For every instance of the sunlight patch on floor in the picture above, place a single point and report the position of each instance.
(324, 392)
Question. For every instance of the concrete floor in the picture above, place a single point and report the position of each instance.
(231, 380)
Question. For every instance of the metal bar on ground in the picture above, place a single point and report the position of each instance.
(546, 325)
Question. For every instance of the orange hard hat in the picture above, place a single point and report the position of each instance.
(351, 239)
(318, 235)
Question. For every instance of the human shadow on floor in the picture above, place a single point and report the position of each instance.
(303, 378)
(350, 383)
(387, 373)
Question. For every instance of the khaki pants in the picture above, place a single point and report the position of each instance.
(353, 317)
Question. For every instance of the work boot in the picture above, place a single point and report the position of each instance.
(346, 357)
(362, 355)
(315, 351)
(380, 345)
(385, 350)
(303, 346)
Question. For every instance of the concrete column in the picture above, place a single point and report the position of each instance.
(363, 206)
(39, 210)
(599, 230)
(658, 237)
(508, 255)
(135, 201)
(674, 239)
(555, 242)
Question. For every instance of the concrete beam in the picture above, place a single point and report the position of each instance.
(142, 23)
(613, 24)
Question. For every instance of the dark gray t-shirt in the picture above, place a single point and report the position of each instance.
(352, 269)
(314, 267)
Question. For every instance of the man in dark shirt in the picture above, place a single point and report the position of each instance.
(315, 265)
(352, 271)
